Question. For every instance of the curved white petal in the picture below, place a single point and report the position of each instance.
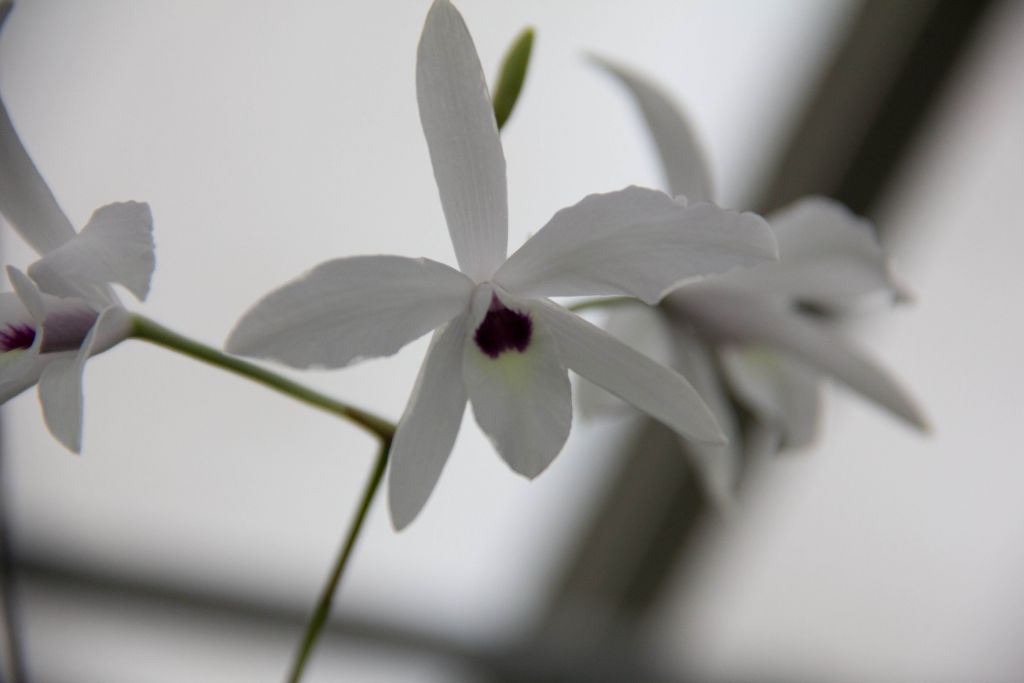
(351, 308)
(827, 256)
(635, 241)
(633, 377)
(738, 316)
(25, 200)
(427, 430)
(462, 135)
(778, 389)
(681, 155)
(60, 394)
(521, 399)
(116, 245)
(60, 386)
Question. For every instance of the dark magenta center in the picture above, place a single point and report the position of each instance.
(503, 330)
(16, 336)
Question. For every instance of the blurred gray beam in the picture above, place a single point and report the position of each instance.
(11, 666)
(541, 662)
(863, 118)
(883, 80)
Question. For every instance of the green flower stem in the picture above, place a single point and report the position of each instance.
(154, 332)
(602, 303)
(323, 605)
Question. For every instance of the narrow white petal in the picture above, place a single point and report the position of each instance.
(352, 308)
(827, 256)
(642, 328)
(25, 199)
(60, 393)
(116, 245)
(521, 398)
(654, 389)
(741, 317)
(60, 386)
(635, 241)
(681, 155)
(427, 430)
(778, 389)
(28, 293)
(462, 135)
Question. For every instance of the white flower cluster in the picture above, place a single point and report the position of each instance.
(499, 343)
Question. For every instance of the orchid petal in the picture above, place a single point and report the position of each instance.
(462, 136)
(635, 241)
(351, 308)
(61, 324)
(25, 199)
(60, 386)
(641, 327)
(29, 294)
(682, 159)
(521, 398)
(740, 317)
(20, 367)
(23, 312)
(427, 430)
(828, 256)
(116, 245)
(20, 371)
(717, 466)
(60, 393)
(13, 311)
(652, 388)
(778, 389)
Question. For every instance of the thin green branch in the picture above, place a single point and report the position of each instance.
(323, 605)
(152, 331)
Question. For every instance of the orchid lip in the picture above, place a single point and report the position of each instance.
(66, 330)
(16, 336)
(503, 329)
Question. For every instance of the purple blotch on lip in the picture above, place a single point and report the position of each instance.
(503, 330)
(16, 336)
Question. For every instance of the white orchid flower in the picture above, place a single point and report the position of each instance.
(498, 342)
(64, 310)
(750, 324)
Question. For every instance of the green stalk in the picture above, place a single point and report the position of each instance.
(323, 606)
